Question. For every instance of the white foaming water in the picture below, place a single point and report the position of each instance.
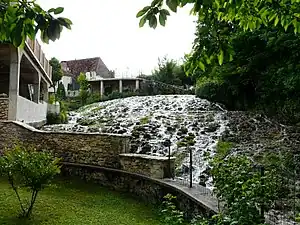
(153, 119)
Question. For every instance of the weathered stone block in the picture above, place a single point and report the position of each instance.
(152, 166)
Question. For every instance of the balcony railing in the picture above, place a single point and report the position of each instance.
(40, 55)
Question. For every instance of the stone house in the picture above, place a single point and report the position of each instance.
(92, 67)
(25, 76)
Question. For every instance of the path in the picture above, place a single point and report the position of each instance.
(199, 193)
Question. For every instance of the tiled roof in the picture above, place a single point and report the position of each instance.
(75, 67)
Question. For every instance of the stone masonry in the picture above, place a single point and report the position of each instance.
(102, 158)
(104, 150)
(3, 108)
(93, 149)
(152, 166)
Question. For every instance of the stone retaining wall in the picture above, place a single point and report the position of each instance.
(93, 149)
(104, 150)
(153, 166)
(3, 108)
(101, 158)
(147, 189)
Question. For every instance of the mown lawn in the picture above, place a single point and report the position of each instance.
(77, 203)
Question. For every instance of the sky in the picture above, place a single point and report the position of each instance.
(110, 30)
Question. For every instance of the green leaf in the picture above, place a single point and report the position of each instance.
(153, 21)
(202, 66)
(58, 10)
(143, 11)
(166, 12)
(172, 4)
(276, 21)
(142, 21)
(53, 31)
(155, 2)
(203, 30)
(17, 34)
(65, 22)
(51, 10)
(162, 19)
(221, 57)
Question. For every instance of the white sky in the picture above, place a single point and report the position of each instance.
(109, 29)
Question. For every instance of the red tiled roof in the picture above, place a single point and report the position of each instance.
(75, 67)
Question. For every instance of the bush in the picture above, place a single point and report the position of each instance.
(53, 118)
(171, 215)
(62, 117)
(25, 167)
(93, 98)
(115, 95)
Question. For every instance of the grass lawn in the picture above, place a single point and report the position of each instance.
(77, 203)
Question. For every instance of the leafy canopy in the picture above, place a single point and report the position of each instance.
(21, 18)
(84, 88)
(171, 72)
(214, 14)
(57, 72)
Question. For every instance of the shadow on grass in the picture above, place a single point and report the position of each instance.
(9, 220)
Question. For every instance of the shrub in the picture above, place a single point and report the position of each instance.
(25, 167)
(171, 215)
(53, 118)
(115, 95)
(238, 183)
(93, 98)
(51, 99)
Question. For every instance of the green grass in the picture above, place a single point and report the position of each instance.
(77, 203)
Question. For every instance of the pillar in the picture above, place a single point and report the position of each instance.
(14, 79)
(101, 88)
(120, 86)
(37, 90)
(137, 85)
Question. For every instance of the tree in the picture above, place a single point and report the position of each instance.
(57, 72)
(170, 72)
(25, 167)
(20, 19)
(61, 92)
(245, 14)
(84, 88)
(263, 74)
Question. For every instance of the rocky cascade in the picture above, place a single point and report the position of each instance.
(151, 121)
(186, 121)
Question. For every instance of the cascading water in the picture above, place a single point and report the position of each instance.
(153, 119)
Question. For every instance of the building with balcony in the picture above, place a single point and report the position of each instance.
(92, 67)
(25, 77)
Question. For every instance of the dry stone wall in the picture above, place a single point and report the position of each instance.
(93, 149)
(3, 108)
(102, 158)
(103, 150)
(152, 166)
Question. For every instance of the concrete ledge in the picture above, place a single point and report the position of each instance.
(144, 156)
(33, 129)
